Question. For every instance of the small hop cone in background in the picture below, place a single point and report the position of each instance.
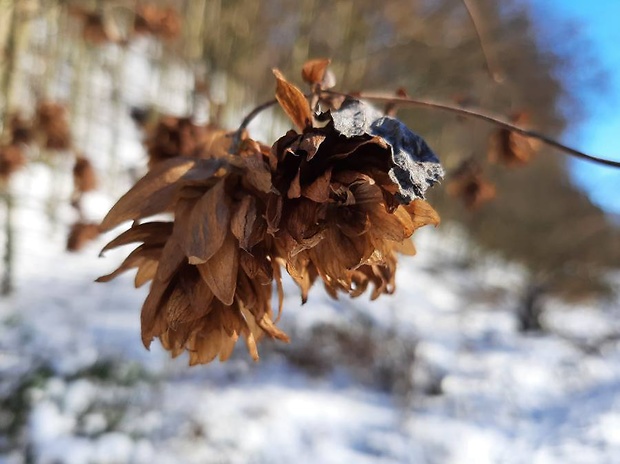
(84, 176)
(12, 159)
(510, 148)
(335, 201)
(172, 137)
(161, 22)
(470, 185)
(20, 130)
(80, 234)
(52, 124)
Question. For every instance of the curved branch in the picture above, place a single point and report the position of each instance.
(246, 122)
(474, 114)
(484, 117)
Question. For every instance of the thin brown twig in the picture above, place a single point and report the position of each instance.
(475, 114)
(246, 122)
(489, 59)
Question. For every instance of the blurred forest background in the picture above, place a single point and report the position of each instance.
(82, 81)
(211, 61)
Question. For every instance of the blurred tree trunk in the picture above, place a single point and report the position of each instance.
(8, 23)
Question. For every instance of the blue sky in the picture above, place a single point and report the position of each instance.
(597, 22)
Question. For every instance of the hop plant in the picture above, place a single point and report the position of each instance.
(335, 200)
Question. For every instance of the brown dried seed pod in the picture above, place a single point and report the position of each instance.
(51, 122)
(80, 234)
(164, 23)
(20, 129)
(11, 160)
(84, 176)
(470, 185)
(94, 30)
(509, 148)
(172, 137)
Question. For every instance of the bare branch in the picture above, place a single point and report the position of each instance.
(489, 59)
(475, 114)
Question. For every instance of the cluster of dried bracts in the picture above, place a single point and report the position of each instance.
(507, 148)
(334, 201)
(48, 130)
(99, 26)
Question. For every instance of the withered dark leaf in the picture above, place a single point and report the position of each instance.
(470, 185)
(416, 168)
(510, 149)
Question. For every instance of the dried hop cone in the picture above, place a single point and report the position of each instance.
(84, 176)
(336, 200)
(349, 192)
(164, 23)
(80, 234)
(510, 148)
(20, 130)
(211, 269)
(469, 183)
(51, 122)
(11, 160)
(172, 137)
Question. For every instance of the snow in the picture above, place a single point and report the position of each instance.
(480, 390)
(436, 373)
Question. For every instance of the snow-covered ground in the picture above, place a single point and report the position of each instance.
(437, 373)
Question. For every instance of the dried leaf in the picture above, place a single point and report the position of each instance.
(152, 194)
(242, 221)
(470, 185)
(313, 71)
(146, 272)
(406, 247)
(510, 149)
(220, 271)
(155, 233)
(292, 101)
(416, 168)
(422, 214)
(208, 225)
(136, 258)
(294, 190)
(319, 190)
